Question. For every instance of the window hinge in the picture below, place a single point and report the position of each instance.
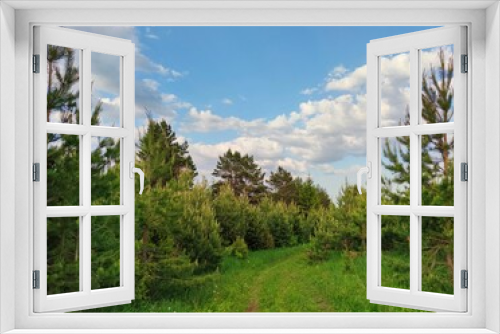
(36, 63)
(36, 279)
(465, 279)
(464, 171)
(465, 64)
(36, 172)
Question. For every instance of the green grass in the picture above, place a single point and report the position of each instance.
(277, 280)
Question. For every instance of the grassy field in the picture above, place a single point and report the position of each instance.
(277, 280)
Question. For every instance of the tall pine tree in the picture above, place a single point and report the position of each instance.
(243, 175)
(161, 156)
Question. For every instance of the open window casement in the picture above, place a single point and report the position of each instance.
(70, 125)
(416, 147)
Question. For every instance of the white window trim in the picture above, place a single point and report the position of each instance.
(484, 308)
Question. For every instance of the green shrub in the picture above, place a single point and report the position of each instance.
(325, 235)
(230, 213)
(350, 213)
(239, 248)
(177, 238)
(276, 216)
(258, 234)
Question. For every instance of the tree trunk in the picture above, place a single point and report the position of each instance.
(444, 150)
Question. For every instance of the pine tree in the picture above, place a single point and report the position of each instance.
(161, 156)
(243, 175)
(62, 76)
(282, 186)
(310, 195)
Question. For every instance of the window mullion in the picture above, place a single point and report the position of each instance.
(414, 173)
(85, 171)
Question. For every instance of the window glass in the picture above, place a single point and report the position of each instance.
(395, 89)
(105, 171)
(395, 175)
(106, 97)
(437, 169)
(105, 236)
(63, 85)
(63, 170)
(437, 254)
(63, 255)
(395, 253)
(437, 84)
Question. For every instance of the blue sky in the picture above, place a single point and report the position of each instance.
(291, 96)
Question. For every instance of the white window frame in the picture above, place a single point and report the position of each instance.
(413, 43)
(85, 44)
(484, 308)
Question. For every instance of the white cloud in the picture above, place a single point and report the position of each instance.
(295, 166)
(308, 91)
(331, 169)
(205, 156)
(151, 84)
(149, 97)
(338, 72)
(227, 101)
(322, 131)
(205, 121)
(394, 76)
(168, 98)
(348, 81)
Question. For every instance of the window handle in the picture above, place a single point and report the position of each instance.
(133, 170)
(363, 170)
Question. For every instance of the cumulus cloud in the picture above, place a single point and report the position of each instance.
(151, 84)
(227, 101)
(149, 98)
(319, 133)
(394, 85)
(308, 91)
(394, 81)
(295, 166)
(338, 71)
(204, 121)
(331, 169)
(205, 156)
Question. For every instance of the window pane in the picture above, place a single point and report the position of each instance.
(437, 254)
(105, 171)
(106, 102)
(63, 170)
(105, 237)
(395, 89)
(63, 85)
(437, 84)
(395, 171)
(63, 255)
(395, 251)
(437, 169)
